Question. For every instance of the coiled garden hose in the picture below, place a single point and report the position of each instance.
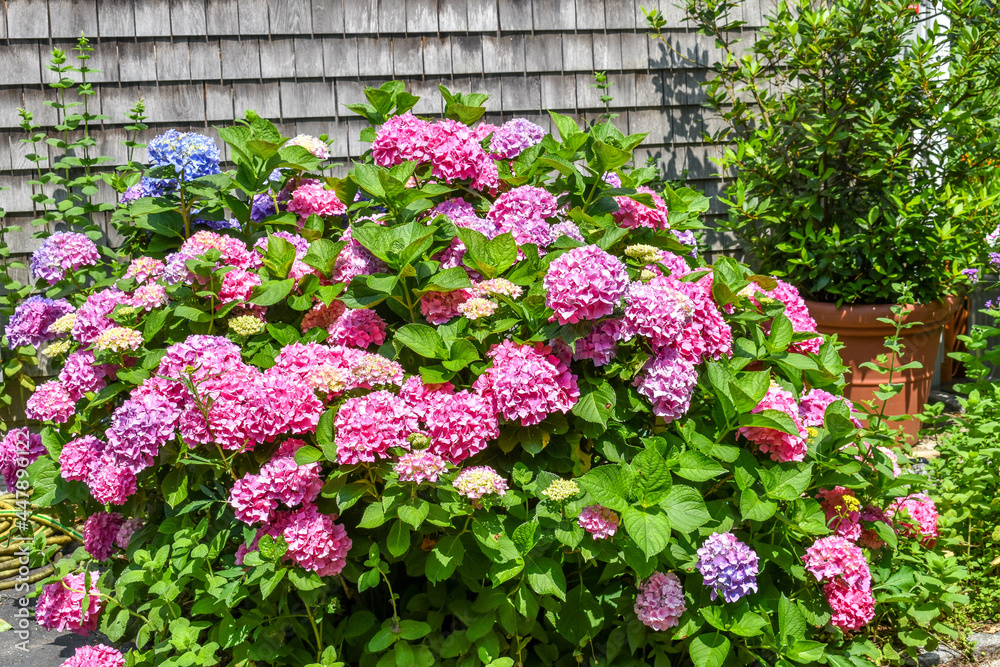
(53, 532)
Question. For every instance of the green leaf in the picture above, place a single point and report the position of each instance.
(308, 454)
(791, 620)
(175, 486)
(649, 528)
(272, 292)
(754, 509)
(686, 509)
(697, 467)
(414, 514)
(546, 577)
(709, 650)
(324, 434)
(596, 403)
(581, 617)
(399, 539)
(410, 629)
(268, 584)
(605, 486)
(446, 555)
(423, 340)
(775, 419)
(567, 126)
(154, 322)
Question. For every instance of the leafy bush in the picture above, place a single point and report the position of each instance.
(479, 402)
(861, 138)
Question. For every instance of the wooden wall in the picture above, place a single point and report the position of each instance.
(201, 63)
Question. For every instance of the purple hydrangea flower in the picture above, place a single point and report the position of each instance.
(217, 225)
(29, 325)
(728, 566)
(191, 154)
(514, 136)
(261, 206)
(62, 252)
(995, 259)
(148, 187)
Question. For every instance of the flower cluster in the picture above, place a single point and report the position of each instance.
(728, 566)
(18, 449)
(60, 606)
(600, 522)
(32, 319)
(916, 516)
(842, 567)
(192, 155)
(95, 656)
(527, 382)
(61, 253)
(479, 481)
(585, 283)
(311, 198)
(780, 445)
(660, 602)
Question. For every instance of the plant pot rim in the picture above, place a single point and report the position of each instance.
(831, 318)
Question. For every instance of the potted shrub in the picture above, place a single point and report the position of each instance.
(859, 138)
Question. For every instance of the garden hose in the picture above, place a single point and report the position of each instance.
(54, 533)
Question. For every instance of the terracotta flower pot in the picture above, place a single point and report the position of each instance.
(863, 336)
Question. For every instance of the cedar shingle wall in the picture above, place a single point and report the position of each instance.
(200, 63)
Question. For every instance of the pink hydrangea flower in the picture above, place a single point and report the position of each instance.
(145, 268)
(128, 529)
(61, 253)
(479, 481)
(798, 313)
(200, 357)
(843, 511)
(78, 456)
(440, 307)
(813, 405)
(322, 316)
(251, 500)
(657, 310)
(585, 283)
(458, 425)
(660, 602)
(18, 449)
(315, 542)
(527, 382)
(357, 328)
(32, 321)
(834, 558)
(93, 316)
(632, 214)
(523, 212)
(50, 402)
(706, 335)
(667, 381)
(477, 308)
(853, 608)
(368, 426)
(915, 516)
(139, 427)
(402, 138)
(312, 198)
(109, 482)
(95, 656)
(237, 285)
(780, 445)
(513, 137)
(149, 296)
(311, 144)
(60, 606)
(420, 466)
(600, 522)
(354, 260)
(99, 533)
(291, 483)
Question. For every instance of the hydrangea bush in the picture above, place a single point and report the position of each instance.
(479, 402)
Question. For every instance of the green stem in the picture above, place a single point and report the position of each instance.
(319, 638)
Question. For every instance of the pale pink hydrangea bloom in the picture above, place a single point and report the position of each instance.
(497, 287)
(600, 522)
(99, 533)
(80, 375)
(813, 405)
(585, 283)
(368, 426)
(312, 144)
(656, 310)
(439, 307)
(853, 608)
(322, 315)
(312, 198)
(917, 517)
(145, 268)
(843, 511)
(357, 328)
(128, 529)
(61, 253)
(60, 606)
(527, 382)
(119, 340)
(200, 357)
(660, 602)
(834, 558)
(93, 316)
(18, 449)
(149, 296)
(479, 481)
(632, 214)
(477, 308)
(523, 212)
(667, 381)
(780, 445)
(95, 656)
(354, 260)
(420, 466)
(50, 402)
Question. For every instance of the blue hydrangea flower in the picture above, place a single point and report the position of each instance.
(191, 154)
(232, 223)
(261, 206)
(728, 566)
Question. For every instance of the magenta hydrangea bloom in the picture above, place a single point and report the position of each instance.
(200, 357)
(109, 482)
(660, 602)
(523, 212)
(798, 313)
(420, 466)
(601, 344)
(63, 252)
(632, 214)
(251, 500)
(95, 656)
(657, 310)
(600, 522)
(585, 283)
(77, 458)
(440, 307)
(853, 608)
(18, 449)
(81, 375)
(479, 481)
(238, 415)
(312, 198)
(291, 483)
(402, 138)
(780, 445)
(368, 426)
(456, 155)
(915, 516)
(60, 606)
(834, 558)
(315, 542)
(99, 533)
(50, 402)
(843, 511)
(357, 328)
(30, 322)
(813, 405)
(513, 137)
(92, 319)
(527, 382)
(237, 285)
(458, 425)
(728, 566)
(706, 335)
(667, 381)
